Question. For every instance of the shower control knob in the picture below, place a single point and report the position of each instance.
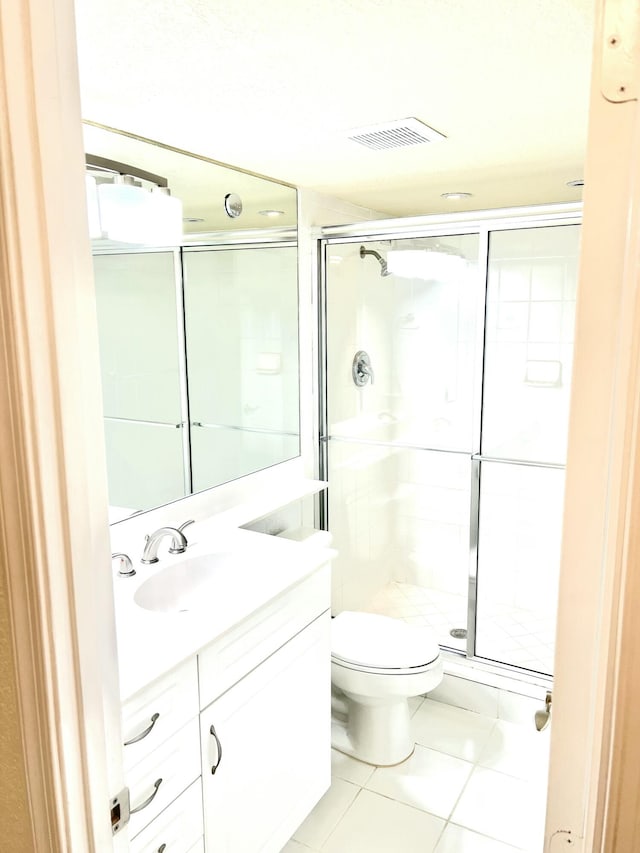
(361, 369)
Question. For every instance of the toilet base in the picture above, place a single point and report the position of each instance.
(376, 732)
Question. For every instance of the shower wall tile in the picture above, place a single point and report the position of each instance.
(513, 280)
(570, 285)
(568, 325)
(361, 519)
(547, 280)
(523, 418)
(545, 322)
(402, 324)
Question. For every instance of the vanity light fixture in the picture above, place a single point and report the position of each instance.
(272, 214)
(131, 205)
(456, 196)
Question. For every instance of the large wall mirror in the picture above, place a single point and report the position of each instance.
(198, 331)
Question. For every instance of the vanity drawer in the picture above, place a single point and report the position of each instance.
(179, 826)
(160, 710)
(232, 656)
(176, 762)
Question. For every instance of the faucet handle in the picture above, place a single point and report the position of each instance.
(125, 569)
(180, 550)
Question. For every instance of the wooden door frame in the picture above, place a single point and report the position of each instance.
(57, 615)
(594, 678)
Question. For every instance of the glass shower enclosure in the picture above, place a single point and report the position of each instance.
(446, 355)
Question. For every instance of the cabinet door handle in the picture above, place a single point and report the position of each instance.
(156, 786)
(143, 734)
(215, 766)
(162, 848)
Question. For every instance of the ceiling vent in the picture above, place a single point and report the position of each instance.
(395, 134)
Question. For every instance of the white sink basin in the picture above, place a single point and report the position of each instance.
(190, 585)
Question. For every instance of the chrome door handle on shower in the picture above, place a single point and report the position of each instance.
(361, 369)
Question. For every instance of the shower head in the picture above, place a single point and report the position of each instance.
(378, 257)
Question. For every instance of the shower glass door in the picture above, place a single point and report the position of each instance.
(528, 357)
(444, 426)
(399, 435)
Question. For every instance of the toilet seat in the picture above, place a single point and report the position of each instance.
(369, 642)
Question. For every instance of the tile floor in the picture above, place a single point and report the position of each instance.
(474, 784)
(512, 635)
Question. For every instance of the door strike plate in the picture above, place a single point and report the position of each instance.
(120, 811)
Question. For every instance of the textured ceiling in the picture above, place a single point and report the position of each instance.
(274, 85)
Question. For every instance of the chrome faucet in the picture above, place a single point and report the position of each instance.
(125, 568)
(178, 545)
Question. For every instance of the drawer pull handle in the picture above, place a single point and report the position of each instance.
(156, 786)
(143, 734)
(215, 766)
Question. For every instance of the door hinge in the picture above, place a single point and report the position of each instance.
(120, 811)
(620, 54)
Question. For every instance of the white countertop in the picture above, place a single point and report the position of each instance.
(151, 643)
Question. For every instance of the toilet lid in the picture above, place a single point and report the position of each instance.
(378, 641)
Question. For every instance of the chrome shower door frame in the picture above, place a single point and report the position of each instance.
(481, 223)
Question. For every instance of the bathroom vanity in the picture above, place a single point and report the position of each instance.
(225, 680)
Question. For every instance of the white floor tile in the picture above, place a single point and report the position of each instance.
(518, 751)
(503, 807)
(295, 847)
(374, 824)
(480, 698)
(414, 703)
(460, 733)
(347, 768)
(315, 830)
(456, 839)
(519, 709)
(428, 780)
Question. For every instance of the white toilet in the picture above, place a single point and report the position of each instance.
(377, 664)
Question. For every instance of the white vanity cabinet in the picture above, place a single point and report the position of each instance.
(265, 747)
(161, 761)
(229, 751)
(265, 724)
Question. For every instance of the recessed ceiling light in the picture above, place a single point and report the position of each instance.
(579, 182)
(271, 213)
(455, 196)
(192, 219)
